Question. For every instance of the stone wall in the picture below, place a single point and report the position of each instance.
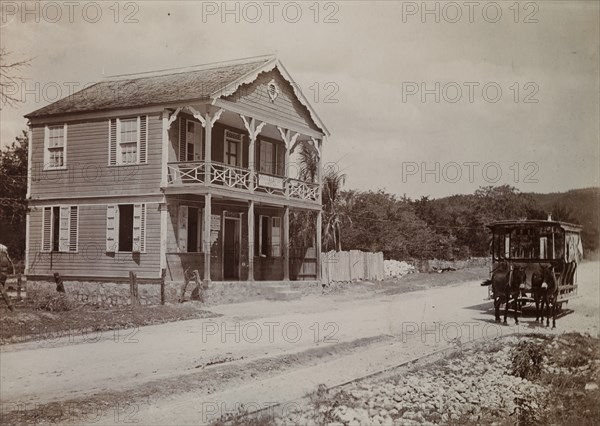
(108, 294)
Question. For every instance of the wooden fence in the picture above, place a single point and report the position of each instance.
(353, 265)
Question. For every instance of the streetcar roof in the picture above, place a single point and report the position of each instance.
(525, 223)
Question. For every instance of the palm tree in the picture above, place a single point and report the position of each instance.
(333, 218)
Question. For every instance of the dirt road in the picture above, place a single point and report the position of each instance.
(396, 329)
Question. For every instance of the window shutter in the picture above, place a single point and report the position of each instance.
(143, 148)
(111, 229)
(46, 145)
(47, 229)
(200, 229)
(74, 229)
(65, 145)
(182, 139)
(112, 142)
(139, 223)
(280, 150)
(63, 233)
(276, 237)
(182, 224)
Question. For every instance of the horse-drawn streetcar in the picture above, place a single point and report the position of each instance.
(535, 260)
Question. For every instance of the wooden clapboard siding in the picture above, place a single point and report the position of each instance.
(91, 260)
(286, 106)
(87, 171)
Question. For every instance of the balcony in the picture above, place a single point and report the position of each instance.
(193, 173)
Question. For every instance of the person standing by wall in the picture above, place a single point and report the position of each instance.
(6, 264)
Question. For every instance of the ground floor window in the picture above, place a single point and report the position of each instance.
(60, 228)
(126, 228)
(190, 229)
(269, 236)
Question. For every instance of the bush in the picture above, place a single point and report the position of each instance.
(54, 302)
(527, 359)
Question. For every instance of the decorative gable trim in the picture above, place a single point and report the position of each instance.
(253, 75)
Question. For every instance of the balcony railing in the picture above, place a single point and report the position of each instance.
(233, 177)
(194, 173)
(302, 190)
(186, 172)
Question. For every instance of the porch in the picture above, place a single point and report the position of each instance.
(229, 239)
(224, 151)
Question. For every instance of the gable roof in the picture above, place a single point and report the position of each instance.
(205, 83)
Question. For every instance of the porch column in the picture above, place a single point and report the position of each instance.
(286, 243)
(289, 139)
(318, 244)
(206, 243)
(253, 127)
(207, 122)
(163, 235)
(317, 143)
(250, 240)
(165, 149)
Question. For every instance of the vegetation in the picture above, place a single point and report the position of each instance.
(13, 188)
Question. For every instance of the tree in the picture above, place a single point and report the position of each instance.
(333, 217)
(13, 189)
(9, 78)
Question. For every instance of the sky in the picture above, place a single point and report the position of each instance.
(434, 98)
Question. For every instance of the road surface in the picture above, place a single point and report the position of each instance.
(393, 329)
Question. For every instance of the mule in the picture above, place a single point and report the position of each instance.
(506, 283)
(545, 294)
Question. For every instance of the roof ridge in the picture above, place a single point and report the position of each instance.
(190, 68)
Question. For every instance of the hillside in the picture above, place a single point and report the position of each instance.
(581, 206)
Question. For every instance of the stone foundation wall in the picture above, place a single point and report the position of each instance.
(108, 294)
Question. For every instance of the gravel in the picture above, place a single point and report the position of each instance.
(456, 389)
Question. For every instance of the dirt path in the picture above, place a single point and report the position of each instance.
(411, 324)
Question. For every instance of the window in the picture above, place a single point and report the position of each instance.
(126, 228)
(128, 140)
(60, 228)
(233, 148)
(55, 142)
(269, 236)
(190, 229)
(266, 157)
(190, 140)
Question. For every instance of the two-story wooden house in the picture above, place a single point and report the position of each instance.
(184, 169)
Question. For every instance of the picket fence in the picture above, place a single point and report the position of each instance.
(353, 265)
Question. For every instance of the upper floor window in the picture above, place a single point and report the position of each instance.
(233, 148)
(128, 143)
(128, 140)
(55, 147)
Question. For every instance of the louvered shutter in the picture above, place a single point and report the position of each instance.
(47, 229)
(200, 229)
(139, 225)
(111, 229)
(280, 150)
(46, 145)
(182, 224)
(63, 232)
(112, 142)
(74, 229)
(182, 139)
(276, 237)
(143, 148)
